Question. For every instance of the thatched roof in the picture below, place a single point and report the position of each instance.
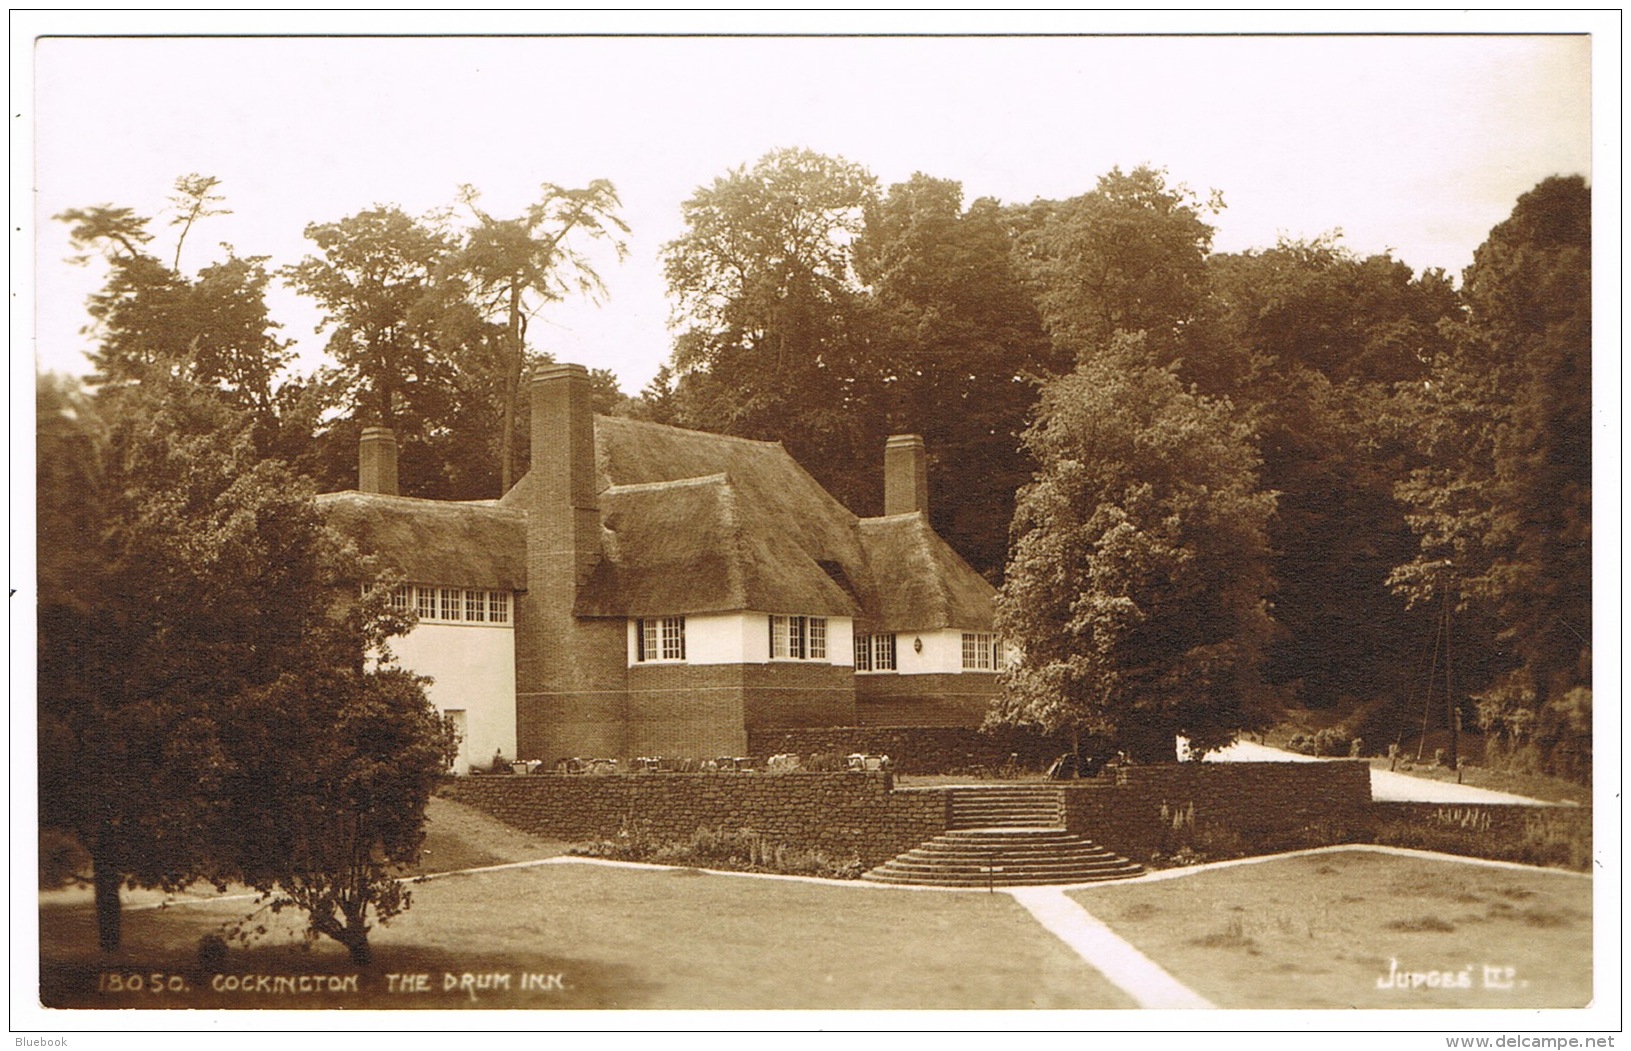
(921, 583)
(700, 546)
(477, 545)
(692, 523)
(698, 523)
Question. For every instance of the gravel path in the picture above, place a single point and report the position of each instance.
(1384, 785)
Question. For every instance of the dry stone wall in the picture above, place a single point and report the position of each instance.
(1141, 810)
(844, 815)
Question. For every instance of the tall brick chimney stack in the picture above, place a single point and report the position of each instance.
(376, 461)
(905, 475)
(563, 462)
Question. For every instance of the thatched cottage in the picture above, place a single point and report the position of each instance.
(648, 590)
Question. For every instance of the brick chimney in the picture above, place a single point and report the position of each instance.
(905, 475)
(563, 463)
(376, 461)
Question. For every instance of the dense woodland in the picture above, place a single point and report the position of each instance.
(1211, 487)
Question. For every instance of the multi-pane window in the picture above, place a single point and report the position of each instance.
(874, 652)
(798, 638)
(982, 651)
(452, 605)
(673, 638)
(659, 639)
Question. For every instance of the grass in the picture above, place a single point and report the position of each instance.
(1319, 931)
(1314, 932)
(618, 938)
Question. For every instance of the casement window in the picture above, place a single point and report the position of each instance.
(874, 652)
(798, 638)
(982, 651)
(659, 639)
(439, 605)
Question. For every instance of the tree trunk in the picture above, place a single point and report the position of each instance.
(107, 879)
(356, 943)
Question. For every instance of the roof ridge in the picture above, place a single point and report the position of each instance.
(898, 517)
(626, 420)
(717, 478)
(425, 502)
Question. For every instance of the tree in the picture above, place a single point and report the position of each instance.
(1503, 507)
(1135, 591)
(213, 329)
(184, 582)
(516, 266)
(372, 279)
(193, 201)
(1130, 256)
(151, 619)
(1331, 339)
(336, 763)
(776, 342)
(964, 352)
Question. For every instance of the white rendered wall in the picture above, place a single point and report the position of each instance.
(473, 666)
(744, 638)
(942, 653)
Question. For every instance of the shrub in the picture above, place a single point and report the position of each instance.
(827, 762)
(737, 850)
(1544, 838)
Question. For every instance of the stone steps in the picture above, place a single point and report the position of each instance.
(1004, 857)
(1007, 806)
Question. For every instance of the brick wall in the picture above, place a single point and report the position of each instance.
(793, 694)
(943, 699)
(841, 814)
(1124, 812)
(685, 710)
(914, 749)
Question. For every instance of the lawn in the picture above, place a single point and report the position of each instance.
(616, 938)
(1315, 931)
(1327, 931)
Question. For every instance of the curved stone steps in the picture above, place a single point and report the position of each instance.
(1006, 857)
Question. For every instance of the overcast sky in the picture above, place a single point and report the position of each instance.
(1416, 145)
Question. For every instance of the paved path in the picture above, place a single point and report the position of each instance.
(1106, 951)
(1384, 785)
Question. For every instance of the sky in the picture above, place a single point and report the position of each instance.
(1416, 145)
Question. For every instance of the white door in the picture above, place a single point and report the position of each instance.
(461, 762)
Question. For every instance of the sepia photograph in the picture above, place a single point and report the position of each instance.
(661, 521)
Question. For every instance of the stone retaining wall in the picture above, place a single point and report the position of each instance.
(1501, 818)
(844, 815)
(1140, 810)
(1134, 811)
